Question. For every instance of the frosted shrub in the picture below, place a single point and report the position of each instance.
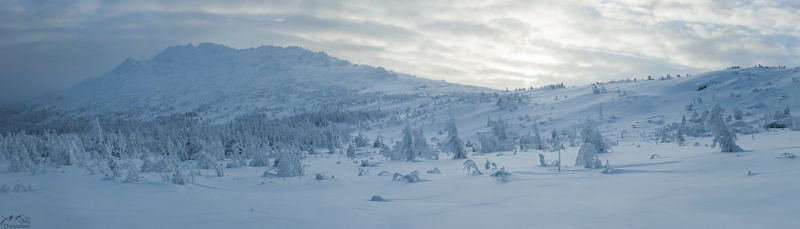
(501, 175)
(65, 150)
(377, 198)
(453, 143)
(22, 188)
(587, 157)
(591, 135)
(351, 151)
(19, 163)
(4, 188)
(542, 162)
(159, 166)
(133, 173)
(288, 163)
(321, 176)
(204, 160)
(412, 145)
(472, 168)
(408, 178)
(178, 177)
(723, 136)
(434, 171)
(361, 140)
(261, 159)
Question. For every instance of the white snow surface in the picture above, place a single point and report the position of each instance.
(688, 187)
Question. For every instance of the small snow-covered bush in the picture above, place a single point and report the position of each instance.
(261, 159)
(384, 173)
(4, 188)
(19, 163)
(204, 160)
(321, 176)
(22, 188)
(160, 165)
(409, 178)
(179, 177)
(377, 198)
(351, 151)
(133, 173)
(472, 168)
(611, 171)
(367, 163)
(434, 171)
(787, 156)
(501, 175)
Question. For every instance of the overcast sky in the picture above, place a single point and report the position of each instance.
(48, 45)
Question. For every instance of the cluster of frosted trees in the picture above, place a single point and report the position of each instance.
(411, 146)
(176, 144)
(716, 123)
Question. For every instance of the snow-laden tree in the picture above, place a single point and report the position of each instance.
(378, 142)
(288, 162)
(591, 135)
(555, 141)
(361, 140)
(723, 136)
(412, 145)
(587, 157)
(421, 147)
(593, 144)
(500, 139)
(260, 159)
(97, 142)
(351, 151)
(680, 133)
(500, 130)
(537, 138)
(453, 143)
(405, 148)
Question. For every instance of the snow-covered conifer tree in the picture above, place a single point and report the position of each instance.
(288, 162)
(537, 138)
(421, 147)
(405, 148)
(351, 151)
(591, 135)
(723, 136)
(453, 143)
(361, 140)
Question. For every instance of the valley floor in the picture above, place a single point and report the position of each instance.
(687, 187)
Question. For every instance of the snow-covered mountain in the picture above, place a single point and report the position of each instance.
(221, 83)
(335, 128)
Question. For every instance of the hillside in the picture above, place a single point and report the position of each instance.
(209, 136)
(220, 83)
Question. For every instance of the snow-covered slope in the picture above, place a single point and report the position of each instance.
(635, 107)
(221, 83)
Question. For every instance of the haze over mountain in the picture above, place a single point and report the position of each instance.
(219, 82)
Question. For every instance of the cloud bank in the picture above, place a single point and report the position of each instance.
(46, 45)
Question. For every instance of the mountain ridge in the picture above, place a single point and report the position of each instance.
(191, 78)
